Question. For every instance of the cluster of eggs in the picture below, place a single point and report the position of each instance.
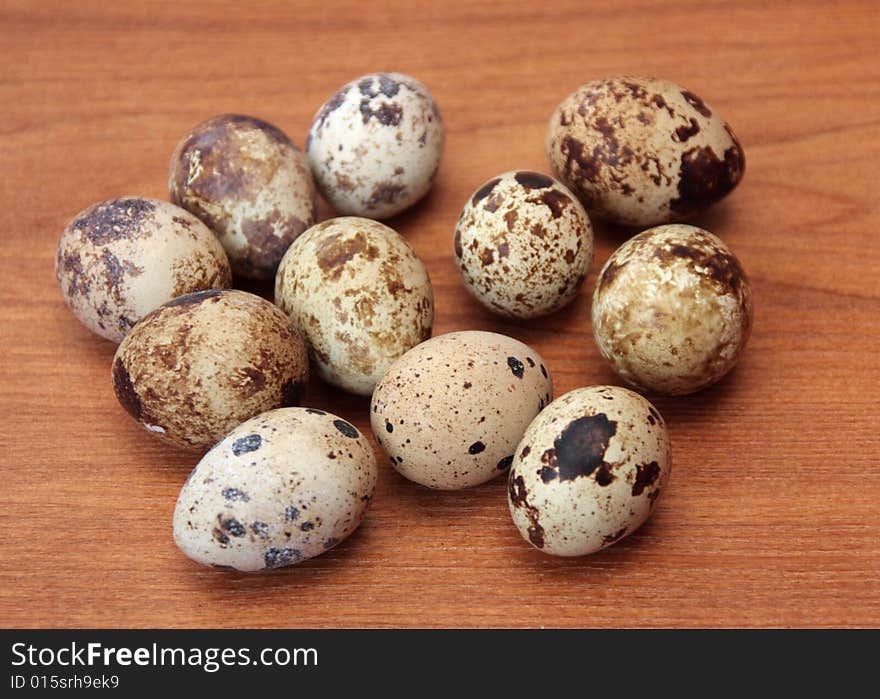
(221, 371)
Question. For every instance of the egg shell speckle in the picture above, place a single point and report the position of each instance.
(450, 412)
(199, 365)
(359, 295)
(588, 470)
(281, 488)
(120, 259)
(672, 310)
(523, 244)
(252, 186)
(642, 151)
(375, 145)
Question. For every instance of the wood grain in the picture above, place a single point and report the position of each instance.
(771, 517)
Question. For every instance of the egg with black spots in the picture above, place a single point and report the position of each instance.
(359, 295)
(672, 310)
(588, 471)
(523, 244)
(643, 151)
(375, 145)
(250, 184)
(279, 489)
(119, 259)
(203, 363)
(450, 412)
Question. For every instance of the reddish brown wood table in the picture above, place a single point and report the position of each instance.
(772, 516)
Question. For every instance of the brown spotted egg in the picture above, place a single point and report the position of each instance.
(119, 259)
(450, 412)
(282, 487)
(523, 244)
(642, 151)
(359, 295)
(672, 310)
(375, 145)
(588, 470)
(201, 364)
(252, 186)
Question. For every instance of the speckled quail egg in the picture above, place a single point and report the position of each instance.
(281, 488)
(642, 151)
(119, 259)
(248, 181)
(523, 244)
(672, 310)
(359, 295)
(450, 412)
(199, 365)
(375, 145)
(588, 470)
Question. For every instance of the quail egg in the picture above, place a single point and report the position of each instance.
(199, 365)
(119, 259)
(450, 412)
(642, 151)
(523, 244)
(588, 470)
(672, 310)
(360, 296)
(281, 488)
(375, 145)
(252, 186)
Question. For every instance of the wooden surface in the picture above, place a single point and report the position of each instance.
(772, 516)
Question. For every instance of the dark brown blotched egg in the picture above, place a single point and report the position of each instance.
(642, 151)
